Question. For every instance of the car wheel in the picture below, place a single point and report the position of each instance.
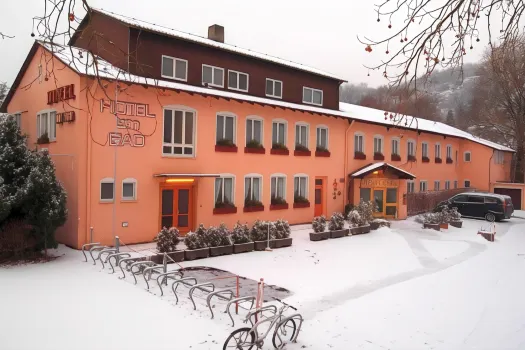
(490, 217)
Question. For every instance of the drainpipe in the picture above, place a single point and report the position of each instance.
(89, 228)
(346, 161)
(490, 163)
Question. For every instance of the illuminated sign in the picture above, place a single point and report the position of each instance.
(379, 183)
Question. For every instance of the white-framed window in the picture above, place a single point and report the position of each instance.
(411, 186)
(252, 188)
(278, 186)
(378, 144)
(302, 131)
(274, 88)
(18, 119)
(359, 142)
(238, 81)
(279, 131)
(455, 183)
(499, 157)
(467, 156)
(107, 189)
(254, 130)
(322, 137)
(312, 96)
(447, 185)
(423, 186)
(449, 151)
(411, 148)
(174, 68)
(437, 185)
(466, 184)
(437, 150)
(300, 186)
(213, 76)
(395, 146)
(46, 124)
(129, 189)
(424, 150)
(179, 131)
(225, 189)
(226, 128)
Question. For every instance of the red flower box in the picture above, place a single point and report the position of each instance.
(302, 153)
(411, 158)
(301, 205)
(322, 154)
(425, 160)
(219, 148)
(379, 156)
(225, 210)
(278, 206)
(395, 157)
(438, 160)
(359, 155)
(259, 150)
(253, 209)
(449, 161)
(279, 151)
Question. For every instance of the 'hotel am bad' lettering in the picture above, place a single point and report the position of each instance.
(379, 183)
(129, 109)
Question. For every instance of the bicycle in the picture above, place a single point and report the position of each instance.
(286, 330)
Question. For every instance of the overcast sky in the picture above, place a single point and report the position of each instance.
(322, 34)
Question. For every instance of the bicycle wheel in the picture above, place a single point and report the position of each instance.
(284, 334)
(240, 339)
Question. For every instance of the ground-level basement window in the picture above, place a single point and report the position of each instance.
(467, 183)
(129, 189)
(411, 186)
(107, 190)
(422, 186)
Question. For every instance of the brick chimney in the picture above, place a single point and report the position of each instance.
(216, 33)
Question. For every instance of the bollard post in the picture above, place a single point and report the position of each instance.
(165, 268)
(91, 234)
(237, 296)
(268, 249)
(117, 247)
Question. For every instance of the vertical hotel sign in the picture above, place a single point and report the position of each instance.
(126, 109)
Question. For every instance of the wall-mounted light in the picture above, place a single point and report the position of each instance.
(180, 181)
(375, 172)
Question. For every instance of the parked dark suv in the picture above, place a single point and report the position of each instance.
(491, 206)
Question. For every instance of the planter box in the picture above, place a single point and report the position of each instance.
(280, 152)
(438, 160)
(376, 225)
(322, 154)
(225, 210)
(253, 209)
(432, 226)
(395, 157)
(281, 243)
(489, 236)
(243, 247)
(320, 236)
(338, 233)
(425, 160)
(177, 256)
(222, 250)
(298, 153)
(279, 206)
(301, 205)
(365, 229)
(458, 224)
(411, 158)
(196, 254)
(449, 161)
(258, 150)
(231, 149)
(261, 245)
(379, 156)
(360, 230)
(359, 155)
(444, 226)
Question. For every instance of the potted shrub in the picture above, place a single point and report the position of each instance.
(366, 211)
(455, 218)
(443, 217)
(336, 226)
(259, 233)
(425, 159)
(43, 139)
(225, 145)
(254, 146)
(300, 202)
(279, 149)
(429, 220)
(282, 234)
(377, 223)
(348, 208)
(278, 203)
(225, 207)
(321, 152)
(395, 157)
(167, 240)
(240, 237)
(354, 219)
(196, 244)
(319, 226)
(359, 155)
(251, 205)
(301, 151)
(379, 156)
(411, 158)
(218, 240)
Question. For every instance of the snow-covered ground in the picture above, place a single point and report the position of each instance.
(398, 288)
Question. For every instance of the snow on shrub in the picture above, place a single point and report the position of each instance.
(282, 229)
(195, 240)
(455, 215)
(381, 222)
(428, 218)
(225, 235)
(354, 218)
(259, 231)
(167, 240)
(337, 222)
(366, 210)
(240, 233)
(319, 224)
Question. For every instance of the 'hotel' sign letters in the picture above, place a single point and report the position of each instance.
(61, 94)
(379, 183)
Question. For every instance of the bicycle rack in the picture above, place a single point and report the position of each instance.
(219, 293)
(184, 281)
(237, 300)
(260, 311)
(150, 271)
(116, 256)
(139, 264)
(127, 261)
(165, 276)
(291, 317)
(105, 251)
(94, 249)
(84, 246)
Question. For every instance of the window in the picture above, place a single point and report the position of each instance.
(455, 183)
(312, 96)
(322, 138)
(237, 81)
(278, 187)
(491, 200)
(213, 76)
(107, 190)
(254, 131)
(461, 198)
(129, 189)
(411, 148)
(422, 186)
(46, 124)
(449, 152)
(436, 185)
(18, 119)
(395, 146)
(179, 131)
(467, 184)
(359, 143)
(424, 150)
(252, 189)
(467, 156)
(437, 150)
(301, 134)
(476, 199)
(411, 188)
(225, 129)
(447, 185)
(279, 132)
(364, 194)
(378, 144)
(274, 88)
(174, 68)
(224, 187)
(300, 187)
(499, 157)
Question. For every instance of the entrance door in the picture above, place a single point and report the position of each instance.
(391, 203)
(379, 200)
(176, 207)
(319, 197)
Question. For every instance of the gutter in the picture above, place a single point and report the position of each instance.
(345, 162)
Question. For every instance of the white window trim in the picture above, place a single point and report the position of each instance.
(253, 117)
(48, 111)
(464, 183)
(447, 147)
(252, 175)
(413, 185)
(276, 175)
(312, 102)
(426, 185)
(18, 118)
(273, 83)
(307, 133)
(212, 75)
(422, 154)
(465, 156)
(225, 176)
(398, 146)
(455, 184)
(359, 133)
(323, 126)
(382, 150)
(238, 73)
(184, 109)
(413, 142)
(106, 180)
(436, 155)
(175, 59)
(133, 181)
(307, 184)
(227, 114)
(438, 185)
(285, 122)
(447, 184)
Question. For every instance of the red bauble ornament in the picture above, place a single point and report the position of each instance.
(389, 26)
(71, 17)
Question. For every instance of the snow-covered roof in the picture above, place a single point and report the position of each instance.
(374, 166)
(137, 23)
